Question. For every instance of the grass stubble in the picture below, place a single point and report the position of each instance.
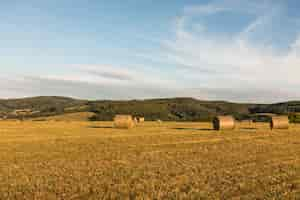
(91, 160)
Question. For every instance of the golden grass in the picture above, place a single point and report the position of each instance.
(92, 160)
(79, 116)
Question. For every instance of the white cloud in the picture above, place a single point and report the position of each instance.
(236, 62)
(235, 66)
(237, 6)
(72, 87)
(207, 9)
(253, 26)
(90, 81)
(122, 75)
(204, 63)
(44, 86)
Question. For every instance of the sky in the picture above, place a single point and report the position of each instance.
(235, 50)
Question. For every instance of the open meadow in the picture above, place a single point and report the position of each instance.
(92, 160)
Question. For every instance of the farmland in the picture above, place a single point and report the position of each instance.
(91, 160)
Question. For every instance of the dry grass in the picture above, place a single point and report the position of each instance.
(79, 116)
(91, 160)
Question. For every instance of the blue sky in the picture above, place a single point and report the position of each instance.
(235, 50)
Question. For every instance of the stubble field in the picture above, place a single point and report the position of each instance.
(91, 160)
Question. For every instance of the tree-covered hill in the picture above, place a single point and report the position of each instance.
(172, 109)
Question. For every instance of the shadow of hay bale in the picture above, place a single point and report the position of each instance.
(194, 129)
(101, 127)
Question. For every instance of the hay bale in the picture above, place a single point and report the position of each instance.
(141, 119)
(123, 121)
(224, 123)
(279, 122)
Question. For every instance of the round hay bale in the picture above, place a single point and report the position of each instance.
(123, 121)
(224, 123)
(141, 119)
(279, 122)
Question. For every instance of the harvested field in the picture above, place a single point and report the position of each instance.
(79, 116)
(92, 160)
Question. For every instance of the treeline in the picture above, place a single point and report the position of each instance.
(279, 108)
(177, 109)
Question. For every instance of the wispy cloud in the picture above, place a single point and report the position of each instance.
(207, 9)
(236, 61)
(36, 86)
(59, 86)
(237, 6)
(91, 81)
(227, 49)
(125, 75)
(107, 72)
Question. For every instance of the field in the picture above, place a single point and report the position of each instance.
(91, 160)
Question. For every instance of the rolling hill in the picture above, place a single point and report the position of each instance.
(172, 109)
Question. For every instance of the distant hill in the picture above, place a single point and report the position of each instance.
(176, 109)
(172, 109)
(41, 106)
